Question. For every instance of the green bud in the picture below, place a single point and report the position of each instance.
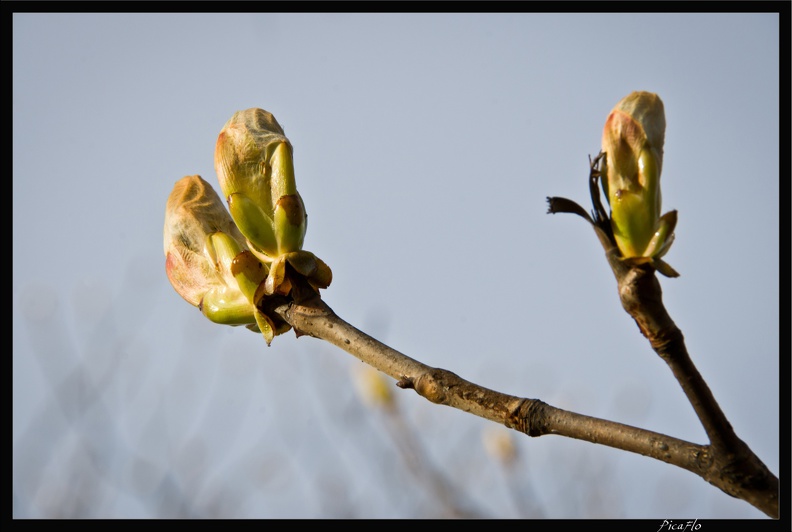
(633, 139)
(226, 264)
(253, 160)
(202, 246)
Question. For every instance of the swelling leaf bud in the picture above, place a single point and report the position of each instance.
(240, 265)
(201, 243)
(633, 139)
(253, 160)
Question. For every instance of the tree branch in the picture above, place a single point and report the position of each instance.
(730, 464)
(313, 317)
(727, 462)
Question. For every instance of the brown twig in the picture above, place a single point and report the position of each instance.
(313, 317)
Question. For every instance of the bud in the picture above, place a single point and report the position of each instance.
(240, 265)
(253, 160)
(205, 258)
(193, 213)
(254, 164)
(632, 140)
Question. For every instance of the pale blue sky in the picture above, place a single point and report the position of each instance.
(425, 146)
